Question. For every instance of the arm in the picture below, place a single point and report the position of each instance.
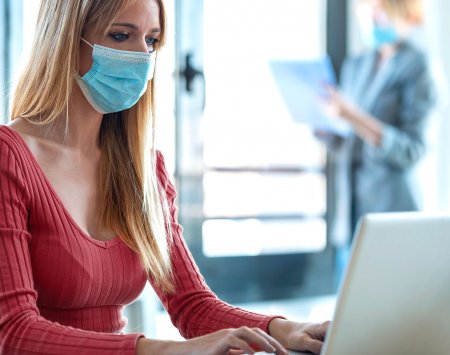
(403, 144)
(367, 127)
(194, 309)
(22, 329)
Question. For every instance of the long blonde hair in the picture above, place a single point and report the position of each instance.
(130, 200)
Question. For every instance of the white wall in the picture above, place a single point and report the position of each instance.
(438, 18)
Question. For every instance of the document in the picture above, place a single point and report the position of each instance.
(302, 84)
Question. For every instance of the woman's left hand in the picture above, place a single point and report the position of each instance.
(367, 127)
(299, 336)
(338, 105)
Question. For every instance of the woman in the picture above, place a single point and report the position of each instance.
(386, 97)
(87, 211)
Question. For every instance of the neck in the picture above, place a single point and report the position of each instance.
(81, 131)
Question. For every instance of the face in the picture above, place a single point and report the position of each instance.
(376, 27)
(136, 28)
(372, 11)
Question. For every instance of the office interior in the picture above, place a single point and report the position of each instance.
(253, 182)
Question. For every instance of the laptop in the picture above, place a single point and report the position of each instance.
(395, 296)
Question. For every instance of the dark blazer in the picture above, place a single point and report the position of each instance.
(381, 178)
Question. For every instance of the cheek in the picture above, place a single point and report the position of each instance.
(85, 60)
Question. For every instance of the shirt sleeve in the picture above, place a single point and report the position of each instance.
(22, 329)
(193, 308)
(403, 143)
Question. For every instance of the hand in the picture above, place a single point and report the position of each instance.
(366, 126)
(299, 336)
(338, 105)
(242, 340)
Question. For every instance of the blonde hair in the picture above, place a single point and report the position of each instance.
(410, 10)
(130, 200)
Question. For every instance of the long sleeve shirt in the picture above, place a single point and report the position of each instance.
(62, 292)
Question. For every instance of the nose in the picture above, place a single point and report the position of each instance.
(143, 46)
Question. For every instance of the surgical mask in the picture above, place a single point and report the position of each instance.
(384, 35)
(117, 79)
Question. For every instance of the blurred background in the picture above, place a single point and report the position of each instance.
(253, 183)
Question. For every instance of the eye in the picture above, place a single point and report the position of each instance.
(119, 36)
(152, 42)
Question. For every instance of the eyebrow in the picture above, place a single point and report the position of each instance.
(134, 27)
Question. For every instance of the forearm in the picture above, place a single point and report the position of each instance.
(34, 335)
(366, 126)
(201, 314)
(149, 346)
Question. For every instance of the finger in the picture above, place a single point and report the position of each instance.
(328, 86)
(331, 90)
(254, 338)
(313, 345)
(235, 352)
(319, 331)
(279, 349)
(324, 328)
(237, 343)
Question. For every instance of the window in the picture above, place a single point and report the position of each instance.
(264, 183)
(251, 180)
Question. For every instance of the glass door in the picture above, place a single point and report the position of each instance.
(251, 180)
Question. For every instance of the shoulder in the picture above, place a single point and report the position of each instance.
(10, 144)
(7, 135)
(413, 59)
(161, 170)
(163, 175)
(414, 52)
(13, 165)
(15, 159)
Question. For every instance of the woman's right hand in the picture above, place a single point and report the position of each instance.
(241, 340)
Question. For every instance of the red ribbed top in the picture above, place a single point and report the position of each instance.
(62, 291)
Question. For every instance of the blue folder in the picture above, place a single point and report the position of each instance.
(302, 85)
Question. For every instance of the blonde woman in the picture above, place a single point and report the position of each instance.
(386, 96)
(87, 212)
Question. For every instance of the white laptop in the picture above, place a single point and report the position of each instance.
(395, 296)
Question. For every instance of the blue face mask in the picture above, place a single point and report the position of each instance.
(117, 79)
(384, 35)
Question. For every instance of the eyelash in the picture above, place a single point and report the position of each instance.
(122, 36)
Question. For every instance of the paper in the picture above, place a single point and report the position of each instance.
(302, 85)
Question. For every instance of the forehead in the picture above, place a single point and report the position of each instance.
(144, 13)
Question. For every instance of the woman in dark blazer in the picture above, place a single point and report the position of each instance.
(386, 96)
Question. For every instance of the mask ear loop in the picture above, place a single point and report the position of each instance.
(87, 42)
